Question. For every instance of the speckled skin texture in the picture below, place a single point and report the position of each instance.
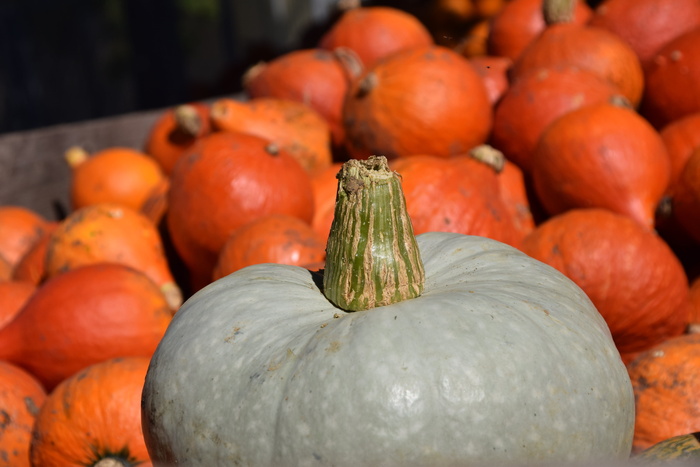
(501, 360)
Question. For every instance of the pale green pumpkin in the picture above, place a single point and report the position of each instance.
(500, 359)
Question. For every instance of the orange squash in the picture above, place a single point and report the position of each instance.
(276, 238)
(534, 101)
(631, 275)
(85, 316)
(20, 228)
(494, 72)
(316, 77)
(113, 175)
(589, 48)
(325, 187)
(602, 155)
(376, 32)
(111, 233)
(646, 25)
(427, 100)
(6, 271)
(672, 86)
(686, 197)
(32, 266)
(93, 416)
(666, 383)
(519, 22)
(228, 180)
(13, 295)
(175, 132)
(294, 126)
(681, 137)
(21, 398)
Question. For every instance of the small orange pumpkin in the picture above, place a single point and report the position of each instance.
(494, 71)
(694, 297)
(427, 100)
(21, 398)
(93, 416)
(376, 32)
(681, 137)
(686, 197)
(631, 275)
(113, 175)
(5, 269)
(111, 233)
(325, 187)
(13, 295)
(275, 238)
(175, 131)
(666, 384)
(602, 155)
(85, 316)
(20, 228)
(32, 266)
(294, 126)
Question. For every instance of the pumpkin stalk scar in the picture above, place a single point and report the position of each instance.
(372, 257)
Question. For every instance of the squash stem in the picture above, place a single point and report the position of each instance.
(558, 11)
(372, 256)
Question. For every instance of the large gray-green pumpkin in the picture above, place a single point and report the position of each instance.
(500, 359)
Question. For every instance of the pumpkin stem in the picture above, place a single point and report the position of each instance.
(558, 11)
(372, 256)
(187, 120)
(351, 63)
(490, 156)
(75, 156)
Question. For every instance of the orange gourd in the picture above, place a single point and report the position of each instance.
(519, 22)
(325, 187)
(6, 271)
(646, 25)
(175, 131)
(94, 415)
(21, 398)
(534, 101)
(514, 192)
(316, 77)
(666, 383)
(686, 197)
(32, 266)
(681, 137)
(293, 126)
(376, 32)
(113, 175)
(275, 238)
(428, 100)
(597, 50)
(111, 233)
(631, 275)
(605, 156)
(20, 227)
(494, 72)
(13, 295)
(228, 180)
(672, 86)
(84, 316)
(458, 194)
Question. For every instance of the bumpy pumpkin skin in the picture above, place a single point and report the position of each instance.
(500, 359)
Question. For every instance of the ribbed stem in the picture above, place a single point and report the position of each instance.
(558, 11)
(372, 257)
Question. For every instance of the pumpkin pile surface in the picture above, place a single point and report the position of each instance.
(238, 290)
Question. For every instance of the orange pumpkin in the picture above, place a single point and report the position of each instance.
(519, 22)
(666, 384)
(85, 316)
(20, 228)
(694, 297)
(32, 266)
(376, 32)
(316, 77)
(5, 269)
(114, 175)
(535, 100)
(686, 197)
(276, 238)
(21, 397)
(588, 48)
(294, 126)
(494, 72)
(459, 194)
(111, 233)
(228, 180)
(672, 86)
(631, 275)
(175, 131)
(646, 25)
(13, 295)
(428, 100)
(681, 137)
(325, 187)
(602, 155)
(92, 416)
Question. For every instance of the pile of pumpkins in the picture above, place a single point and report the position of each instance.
(549, 159)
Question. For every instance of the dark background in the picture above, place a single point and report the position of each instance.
(64, 61)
